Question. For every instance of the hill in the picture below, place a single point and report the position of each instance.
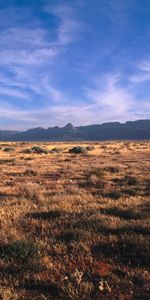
(131, 130)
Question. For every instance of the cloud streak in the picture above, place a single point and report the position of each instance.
(66, 62)
(113, 103)
(143, 72)
(27, 62)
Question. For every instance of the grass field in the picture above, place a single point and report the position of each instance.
(75, 226)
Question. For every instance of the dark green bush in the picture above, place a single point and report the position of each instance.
(27, 151)
(8, 149)
(37, 149)
(78, 150)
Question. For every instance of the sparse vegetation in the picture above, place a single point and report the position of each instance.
(78, 150)
(31, 191)
(90, 148)
(75, 226)
(56, 150)
(39, 150)
(5, 161)
(22, 251)
(8, 149)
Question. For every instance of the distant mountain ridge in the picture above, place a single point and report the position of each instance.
(131, 130)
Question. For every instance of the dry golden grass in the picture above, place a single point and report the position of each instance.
(75, 226)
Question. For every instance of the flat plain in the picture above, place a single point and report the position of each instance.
(75, 226)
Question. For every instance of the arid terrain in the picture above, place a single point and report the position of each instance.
(74, 226)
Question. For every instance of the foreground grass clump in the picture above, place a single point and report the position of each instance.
(21, 251)
(75, 226)
(31, 191)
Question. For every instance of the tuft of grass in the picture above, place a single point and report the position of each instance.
(98, 172)
(115, 195)
(94, 181)
(5, 161)
(31, 191)
(130, 180)
(56, 150)
(130, 250)
(111, 169)
(30, 172)
(75, 235)
(21, 251)
(90, 148)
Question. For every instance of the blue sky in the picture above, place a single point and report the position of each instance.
(78, 61)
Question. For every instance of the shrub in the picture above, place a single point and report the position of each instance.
(56, 150)
(30, 172)
(27, 151)
(8, 149)
(31, 191)
(75, 235)
(90, 148)
(3, 161)
(78, 150)
(98, 172)
(94, 181)
(111, 169)
(131, 180)
(37, 149)
(115, 195)
(130, 192)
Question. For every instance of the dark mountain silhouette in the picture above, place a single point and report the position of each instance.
(131, 130)
(7, 133)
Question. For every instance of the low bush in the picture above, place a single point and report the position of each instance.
(131, 180)
(30, 172)
(8, 149)
(90, 148)
(27, 151)
(78, 150)
(31, 191)
(56, 150)
(98, 172)
(4, 161)
(39, 150)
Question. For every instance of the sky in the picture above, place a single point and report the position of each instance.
(78, 61)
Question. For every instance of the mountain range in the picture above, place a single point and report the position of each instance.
(131, 130)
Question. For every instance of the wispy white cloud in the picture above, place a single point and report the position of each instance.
(142, 72)
(27, 62)
(68, 26)
(33, 56)
(113, 101)
(12, 92)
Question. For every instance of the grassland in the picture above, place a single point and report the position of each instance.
(75, 226)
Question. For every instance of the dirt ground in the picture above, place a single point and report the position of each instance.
(75, 226)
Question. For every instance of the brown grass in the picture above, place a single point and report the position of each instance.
(75, 226)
